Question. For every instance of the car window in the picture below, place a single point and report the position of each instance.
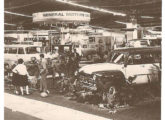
(92, 46)
(155, 42)
(84, 46)
(12, 50)
(6, 50)
(77, 46)
(32, 50)
(91, 39)
(118, 58)
(144, 58)
(144, 43)
(20, 51)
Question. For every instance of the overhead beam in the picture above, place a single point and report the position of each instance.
(92, 8)
(18, 14)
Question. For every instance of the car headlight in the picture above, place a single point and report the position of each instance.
(131, 79)
(76, 73)
(94, 77)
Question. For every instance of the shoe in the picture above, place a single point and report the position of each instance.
(16, 92)
(27, 93)
(48, 91)
(41, 91)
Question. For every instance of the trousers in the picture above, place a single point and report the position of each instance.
(43, 83)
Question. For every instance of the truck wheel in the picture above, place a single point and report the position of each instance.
(110, 94)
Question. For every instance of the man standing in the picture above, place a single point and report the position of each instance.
(33, 70)
(55, 54)
(43, 73)
(76, 59)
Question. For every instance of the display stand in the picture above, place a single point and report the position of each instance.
(61, 20)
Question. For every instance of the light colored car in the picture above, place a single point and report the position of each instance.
(142, 64)
(133, 66)
(86, 50)
(138, 43)
(13, 52)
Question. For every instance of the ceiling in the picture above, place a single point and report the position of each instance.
(147, 12)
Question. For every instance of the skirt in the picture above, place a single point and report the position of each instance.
(19, 80)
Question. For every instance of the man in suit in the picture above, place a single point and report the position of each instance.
(76, 59)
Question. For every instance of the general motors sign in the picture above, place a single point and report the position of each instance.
(61, 16)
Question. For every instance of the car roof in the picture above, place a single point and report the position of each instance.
(21, 45)
(138, 49)
(138, 40)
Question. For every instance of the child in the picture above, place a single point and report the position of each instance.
(22, 76)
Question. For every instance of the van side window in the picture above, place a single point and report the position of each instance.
(85, 46)
(20, 51)
(12, 51)
(100, 41)
(6, 50)
(92, 46)
(91, 39)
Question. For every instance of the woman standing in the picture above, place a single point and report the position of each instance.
(22, 76)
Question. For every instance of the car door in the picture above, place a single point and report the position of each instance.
(32, 52)
(21, 53)
(12, 55)
(6, 57)
(143, 69)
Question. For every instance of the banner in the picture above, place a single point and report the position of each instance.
(61, 16)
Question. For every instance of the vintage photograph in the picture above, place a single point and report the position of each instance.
(82, 59)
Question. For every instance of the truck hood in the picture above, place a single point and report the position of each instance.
(89, 69)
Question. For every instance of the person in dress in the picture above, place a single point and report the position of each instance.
(14, 78)
(21, 76)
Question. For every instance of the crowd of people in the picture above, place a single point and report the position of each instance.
(36, 71)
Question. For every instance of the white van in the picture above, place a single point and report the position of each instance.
(13, 52)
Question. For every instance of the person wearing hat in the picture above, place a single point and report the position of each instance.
(22, 76)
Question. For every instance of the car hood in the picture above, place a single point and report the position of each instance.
(89, 69)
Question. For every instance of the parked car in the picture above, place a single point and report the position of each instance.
(132, 66)
(13, 52)
(86, 50)
(138, 43)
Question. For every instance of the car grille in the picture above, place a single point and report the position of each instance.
(87, 82)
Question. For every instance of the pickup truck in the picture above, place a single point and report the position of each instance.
(131, 66)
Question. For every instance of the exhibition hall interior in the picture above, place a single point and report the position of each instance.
(82, 59)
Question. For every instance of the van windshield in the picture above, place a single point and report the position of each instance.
(33, 50)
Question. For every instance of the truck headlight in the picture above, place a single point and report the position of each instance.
(131, 79)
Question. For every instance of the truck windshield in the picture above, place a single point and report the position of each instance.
(117, 58)
(136, 58)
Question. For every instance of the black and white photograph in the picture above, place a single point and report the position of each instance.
(82, 59)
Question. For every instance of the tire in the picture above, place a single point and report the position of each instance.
(109, 95)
